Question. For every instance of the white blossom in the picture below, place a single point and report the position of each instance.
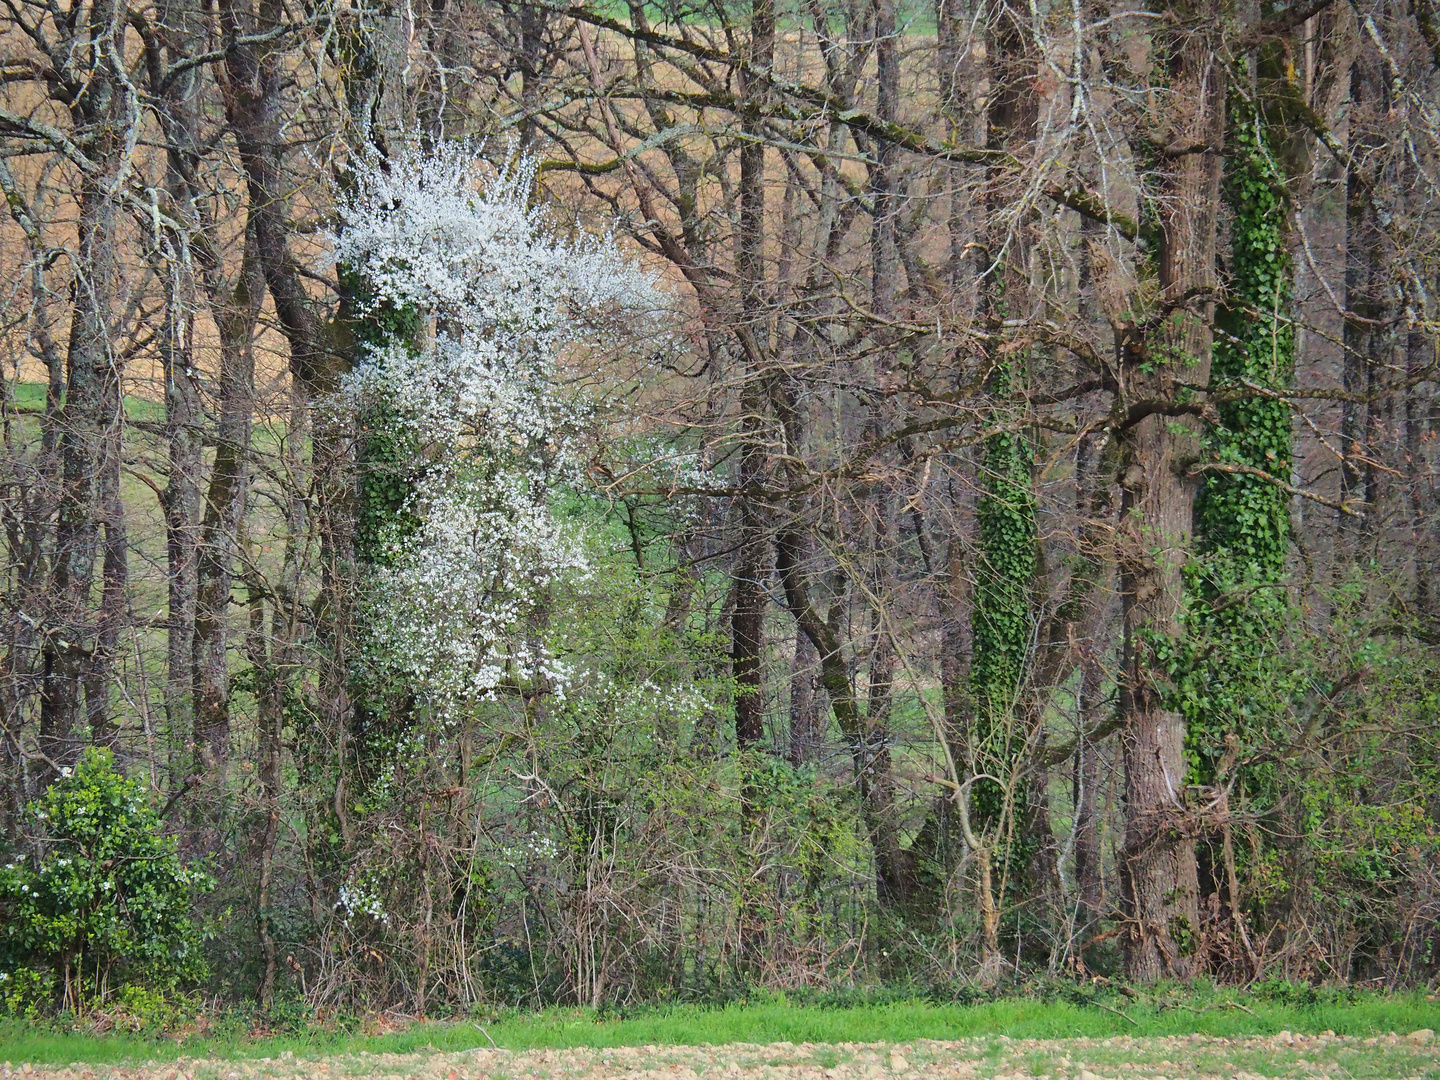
(361, 898)
(505, 296)
(431, 229)
(535, 848)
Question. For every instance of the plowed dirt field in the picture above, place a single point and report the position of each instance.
(1393, 1057)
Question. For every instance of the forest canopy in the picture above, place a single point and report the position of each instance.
(518, 502)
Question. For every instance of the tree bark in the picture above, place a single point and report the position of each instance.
(1365, 310)
(807, 729)
(748, 616)
(236, 310)
(75, 653)
(1160, 441)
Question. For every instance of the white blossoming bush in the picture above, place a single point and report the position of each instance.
(503, 298)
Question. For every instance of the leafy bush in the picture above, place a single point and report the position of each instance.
(104, 899)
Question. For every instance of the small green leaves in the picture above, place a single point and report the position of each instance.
(1222, 673)
(107, 899)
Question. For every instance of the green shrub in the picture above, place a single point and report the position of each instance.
(25, 994)
(102, 901)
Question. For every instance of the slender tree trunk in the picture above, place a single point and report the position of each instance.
(114, 597)
(884, 233)
(807, 729)
(274, 661)
(869, 746)
(1085, 795)
(1418, 479)
(1364, 310)
(748, 615)
(182, 510)
(236, 312)
(203, 538)
(319, 352)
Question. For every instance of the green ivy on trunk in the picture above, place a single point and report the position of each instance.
(1242, 518)
(1002, 617)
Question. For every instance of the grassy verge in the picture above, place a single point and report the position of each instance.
(764, 1022)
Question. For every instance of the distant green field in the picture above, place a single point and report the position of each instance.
(766, 1022)
(29, 397)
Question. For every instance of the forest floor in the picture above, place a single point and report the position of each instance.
(1186, 1057)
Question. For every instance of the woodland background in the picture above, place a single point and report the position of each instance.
(1011, 552)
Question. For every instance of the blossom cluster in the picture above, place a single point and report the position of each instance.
(534, 848)
(504, 296)
(361, 898)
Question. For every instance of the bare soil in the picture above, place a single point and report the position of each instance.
(1392, 1057)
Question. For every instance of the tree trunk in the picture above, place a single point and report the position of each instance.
(114, 599)
(748, 616)
(1419, 481)
(1086, 780)
(807, 729)
(747, 643)
(274, 662)
(75, 649)
(235, 313)
(1160, 443)
(1364, 311)
(181, 503)
(869, 745)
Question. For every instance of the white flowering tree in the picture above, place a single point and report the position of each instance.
(495, 298)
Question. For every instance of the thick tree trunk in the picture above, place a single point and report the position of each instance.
(1086, 777)
(747, 643)
(1002, 623)
(1095, 509)
(1158, 862)
(88, 424)
(254, 111)
(1160, 444)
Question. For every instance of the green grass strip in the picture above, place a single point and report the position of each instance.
(765, 1022)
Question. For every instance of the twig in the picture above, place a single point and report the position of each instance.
(1117, 1012)
(1207, 1008)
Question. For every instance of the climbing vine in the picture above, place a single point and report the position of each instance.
(1002, 617)
(1242, 517)
(386, 449)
